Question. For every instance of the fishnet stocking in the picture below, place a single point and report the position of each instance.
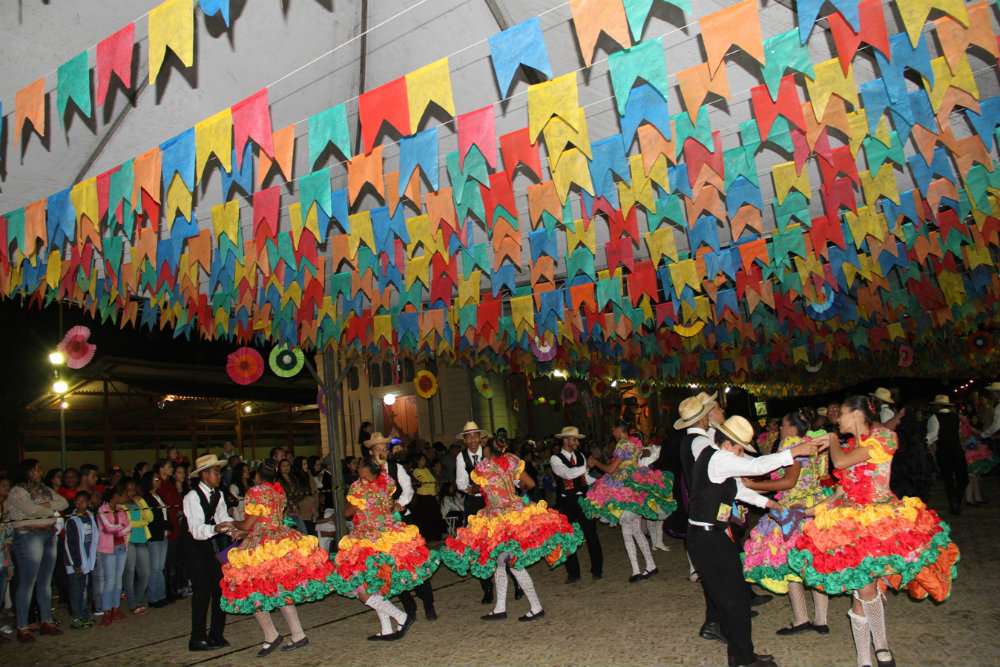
(528, 587)
(291, 616)
(264, 621)
(797, 596)
(862, 639)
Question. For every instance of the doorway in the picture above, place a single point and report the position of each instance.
(402, 415)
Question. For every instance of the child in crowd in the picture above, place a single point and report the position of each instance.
(115, 528)
(80, 557)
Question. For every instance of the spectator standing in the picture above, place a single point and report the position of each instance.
(70, 481)
(159, 530)
(6, 542)
(174, 573)
(306, 497)
(89, 482)
(80, 558)
(136, 575)
(112, 546)
(53, 478)
(448, 462)
(323, 481)
(34, 545)
(427, 514)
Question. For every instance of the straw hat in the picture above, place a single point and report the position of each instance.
(941, 399)
(377, 439)
(993, 386)
(706, 399)
(205, 462)
(570, 432)
(739, 430)
(691, 410)
(883, 395)
(822, 412)
(471, 427)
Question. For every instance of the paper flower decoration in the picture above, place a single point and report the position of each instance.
(600, 387)
(483, 386)
(829, 307)
(905, 356)
(75, 348)
(814, 368)
(980, 342)
(426, 384)
(569, 393)
(245, 365)
(689, 330)
(286, 361)
(543, 349)
(645, 388)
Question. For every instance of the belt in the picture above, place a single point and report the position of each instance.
(707, 529)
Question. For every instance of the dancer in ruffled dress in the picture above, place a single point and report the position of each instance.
(796, 487)
(864, 538)
(509, 532)
(979, 458)
(274, 567)
(626, 493)
(382, 556)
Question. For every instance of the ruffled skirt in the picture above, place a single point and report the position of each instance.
(394, 560)
(531, 534)
(981, 460)
(644, 491)
(274, 568)
(900, 542)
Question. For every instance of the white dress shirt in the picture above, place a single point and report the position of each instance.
(704, 439)
(654, 453)
(461, 475)
(994, 426)
(932, 429)
(726, 464)
(195, 515)
(885, 414)
(562, 471)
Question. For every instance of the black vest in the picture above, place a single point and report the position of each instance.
(392, 468)
(686, 455)
(571, 487)
(949, 438)
(710, 502)
(207, 507)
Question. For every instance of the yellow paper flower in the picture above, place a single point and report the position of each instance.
(426, 384)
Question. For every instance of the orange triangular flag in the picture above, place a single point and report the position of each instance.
(29, 104)
(592, 17)
(737, 25)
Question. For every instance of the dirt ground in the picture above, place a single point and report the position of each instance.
(606, 622)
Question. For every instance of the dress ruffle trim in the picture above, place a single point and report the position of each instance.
(380, 572)
(646, 492)
(555, 549)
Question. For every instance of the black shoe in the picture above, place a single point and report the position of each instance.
(401, 631)
(429, 612)
(712, 632)
(518, 593)
(754, 613)
(291, 646)
(382, 638)
(530, 617)
(269, 647)
(595, 577)
(218, 642)
(760, 660)
(821, 629)
(634, 578)
(494, 616)
(758, 600)
(757, 656)
(201, 645)
(487, 597)
(649, 573)
(158, 604)
(796, 629)
(571, 579)
(891, 662)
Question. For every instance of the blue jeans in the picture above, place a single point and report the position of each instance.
(77, 585)
(157, 561)
(97, 587)
(112, 566)
(35, 554)
(136, 576)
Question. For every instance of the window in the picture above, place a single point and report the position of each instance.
(375, 375)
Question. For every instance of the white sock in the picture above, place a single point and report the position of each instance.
(528, 586)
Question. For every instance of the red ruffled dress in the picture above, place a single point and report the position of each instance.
(530, 532)
(381, 553)
(274, 565)
(869, 534)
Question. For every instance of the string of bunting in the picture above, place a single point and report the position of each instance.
(445, 273)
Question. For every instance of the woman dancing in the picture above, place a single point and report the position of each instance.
(864, 538)
(628, 492)
(797, 486)
(509, 532)
(274, 567)
(382, 556)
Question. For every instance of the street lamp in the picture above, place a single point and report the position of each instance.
(60, 387)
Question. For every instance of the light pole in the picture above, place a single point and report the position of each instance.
(60, 387)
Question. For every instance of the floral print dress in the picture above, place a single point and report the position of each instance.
(381, 554)
(274, 565)
(766, 551)
(868, 534)
(630, 488)
(529, 531)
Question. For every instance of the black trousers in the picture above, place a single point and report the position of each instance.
(954, 471)
(717, 560)
(472, 505)
(570, 506)
(206, 576)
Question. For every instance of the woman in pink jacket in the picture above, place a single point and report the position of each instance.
(114, 528)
